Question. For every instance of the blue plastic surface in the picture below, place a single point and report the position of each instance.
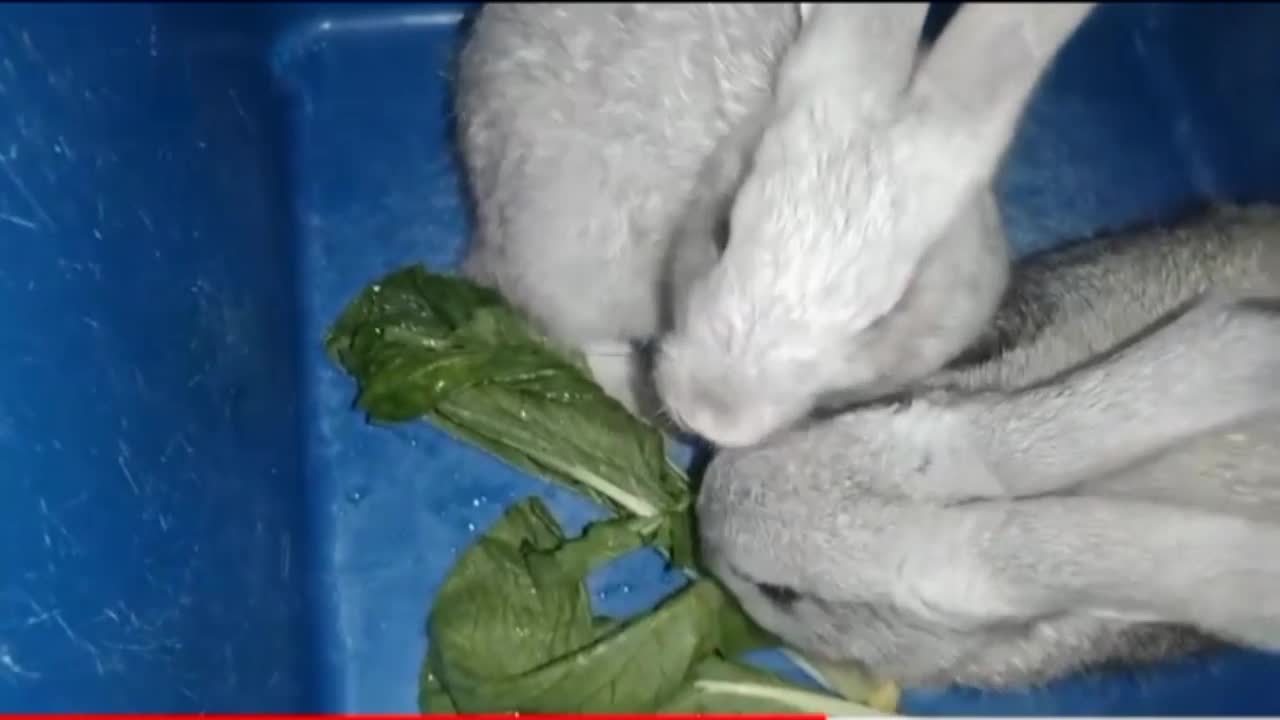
(193, 517)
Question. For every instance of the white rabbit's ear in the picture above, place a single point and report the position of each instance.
(861, 52)
(979, 75)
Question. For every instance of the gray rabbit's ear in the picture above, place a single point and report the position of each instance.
(1201, 370)
(864, 52)
(1134, 561)
(978, 77)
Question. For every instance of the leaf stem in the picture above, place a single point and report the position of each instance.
(635, 505)
(799, 699)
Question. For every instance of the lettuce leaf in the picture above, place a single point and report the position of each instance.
(438, 347)
(513, 629)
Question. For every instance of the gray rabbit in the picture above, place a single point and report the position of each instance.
(1098, 481)
(582, 128)
(606, 145)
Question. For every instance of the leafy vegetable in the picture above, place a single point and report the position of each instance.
(512, 628)
(432, 698)
(554, 656)
(434, 346)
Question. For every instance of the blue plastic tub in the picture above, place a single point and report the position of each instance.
(195, 520)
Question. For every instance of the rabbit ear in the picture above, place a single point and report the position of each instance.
(861, 53)
(978, 77)
(1205, 369)
(1200, 371)
(1134, 561)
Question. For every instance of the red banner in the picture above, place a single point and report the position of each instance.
(522, 716)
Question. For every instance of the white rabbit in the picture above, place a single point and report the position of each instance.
(865, 248)
(1101, 483)
(582, 128)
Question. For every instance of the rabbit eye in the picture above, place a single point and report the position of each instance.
(720, 233)
(782, 596)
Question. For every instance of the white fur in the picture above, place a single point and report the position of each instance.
(865, 249)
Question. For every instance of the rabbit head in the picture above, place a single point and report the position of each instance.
(986, 592)
(867, 200)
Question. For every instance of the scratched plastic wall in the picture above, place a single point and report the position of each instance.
(191, 517)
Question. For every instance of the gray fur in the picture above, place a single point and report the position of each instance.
(865, 247)
(1101, 476)
(582, 128)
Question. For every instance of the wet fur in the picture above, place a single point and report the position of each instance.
(968, 534)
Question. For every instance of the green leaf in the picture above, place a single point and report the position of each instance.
(433, 699)
(719, 686)
(430, 346)
(740, 634)
(512, 628)
(632, 669)
(501, 611)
